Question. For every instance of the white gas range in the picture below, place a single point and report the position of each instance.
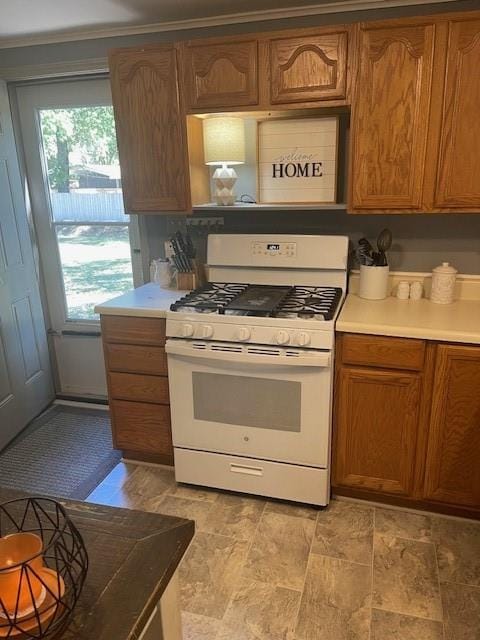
(250, 361)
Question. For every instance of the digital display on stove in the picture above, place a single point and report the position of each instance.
(273, 247)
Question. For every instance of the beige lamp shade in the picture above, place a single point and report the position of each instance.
(224, 141)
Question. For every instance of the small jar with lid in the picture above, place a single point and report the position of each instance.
(443, 284)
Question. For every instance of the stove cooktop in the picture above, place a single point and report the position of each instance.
(318, 303)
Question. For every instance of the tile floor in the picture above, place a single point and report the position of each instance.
(266, 570)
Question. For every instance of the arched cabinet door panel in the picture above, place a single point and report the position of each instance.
(220, 75)
(151, 129)
(458, 177)
(391, 116)
(308, 68)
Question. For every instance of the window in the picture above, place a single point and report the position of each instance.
(84, 187)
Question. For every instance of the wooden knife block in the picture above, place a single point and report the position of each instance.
(186, 281)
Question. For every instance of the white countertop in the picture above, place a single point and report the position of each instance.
(149, 301)
(457, 322)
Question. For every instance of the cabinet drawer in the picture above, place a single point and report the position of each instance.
(133, 330)
(129, 358)
(393, 353)
(140, 388)
(142, 427)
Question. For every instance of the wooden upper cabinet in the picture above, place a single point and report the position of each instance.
(458, 177)
(452, 466)
(151, 129)
(391, 116)
(308, 68)
(376, 429)
(220, 75)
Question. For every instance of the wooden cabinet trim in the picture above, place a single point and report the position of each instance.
(383, 351)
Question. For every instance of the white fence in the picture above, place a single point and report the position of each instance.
(92, 206)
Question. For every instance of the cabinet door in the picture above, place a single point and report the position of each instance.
(458, 177)
(453, 455)
(151, 129)
(376, 422)
(221, 75)
(390, 120)
(308, 68)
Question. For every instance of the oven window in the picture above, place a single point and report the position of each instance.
(246, 401)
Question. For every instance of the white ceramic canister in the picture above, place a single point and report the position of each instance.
(443, 284)
(373, 282)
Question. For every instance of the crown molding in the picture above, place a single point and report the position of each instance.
(215, 21)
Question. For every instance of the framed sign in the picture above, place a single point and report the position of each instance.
(297, 160)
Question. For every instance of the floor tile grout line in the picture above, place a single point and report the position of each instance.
(403, 613)
(439, 587)
(241, 572)
(395, 535)
(324, 555)
(372, 564)
(309, 557)
(460, 584)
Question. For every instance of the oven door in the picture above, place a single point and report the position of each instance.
(251, 400)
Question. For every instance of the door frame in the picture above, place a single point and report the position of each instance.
(67, 337)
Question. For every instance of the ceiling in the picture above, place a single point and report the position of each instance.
(35, 21)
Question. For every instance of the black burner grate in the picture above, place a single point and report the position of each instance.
(262, 300)
(311, 301)
(212, 297)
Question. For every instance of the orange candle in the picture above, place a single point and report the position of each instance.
(14, 583)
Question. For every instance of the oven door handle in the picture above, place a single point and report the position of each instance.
(177, 348)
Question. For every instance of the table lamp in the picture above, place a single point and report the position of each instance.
(224, 144)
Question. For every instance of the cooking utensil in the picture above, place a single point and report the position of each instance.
(384, 242)
(365, 251)
(190, 246)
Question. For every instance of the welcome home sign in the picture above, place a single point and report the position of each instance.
(297, 160)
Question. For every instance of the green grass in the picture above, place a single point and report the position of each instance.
(96, 266)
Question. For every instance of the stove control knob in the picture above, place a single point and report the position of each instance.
(187, 330)
(206, 331)
(303, 339)
(282, 337)
(244, 334)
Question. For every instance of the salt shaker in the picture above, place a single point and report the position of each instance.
(416, 290)
(443, 284)
(403, 290)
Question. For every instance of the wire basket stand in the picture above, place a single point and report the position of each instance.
(65, 565)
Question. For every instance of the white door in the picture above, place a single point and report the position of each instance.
(256, 401)
(89, 248)
(25, 378)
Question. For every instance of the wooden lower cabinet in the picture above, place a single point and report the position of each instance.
(377, 421)
(452, 470)
(408, 437)
(142, 426)
(138, 391)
